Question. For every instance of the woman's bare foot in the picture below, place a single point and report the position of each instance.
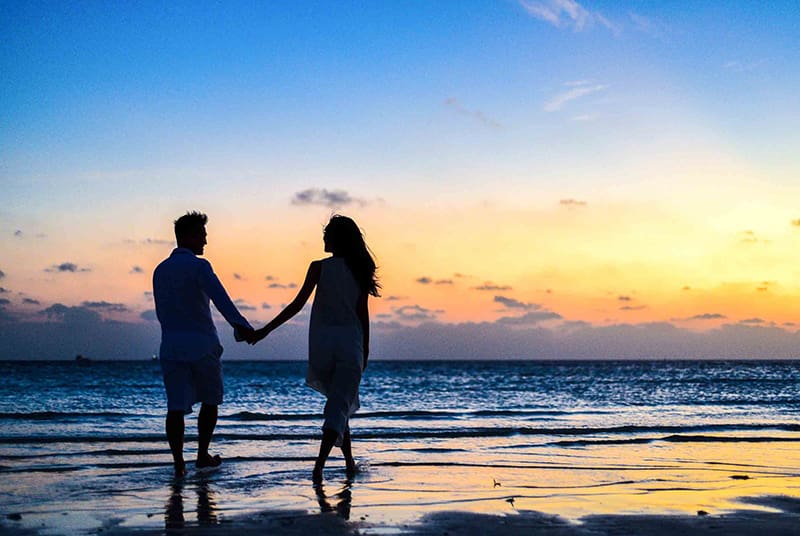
(351, 468)
(316, 475)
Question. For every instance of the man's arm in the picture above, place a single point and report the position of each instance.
(213, 288)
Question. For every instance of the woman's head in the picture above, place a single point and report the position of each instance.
(343, 238)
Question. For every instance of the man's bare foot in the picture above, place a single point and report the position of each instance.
(180, 469)
(208, 462)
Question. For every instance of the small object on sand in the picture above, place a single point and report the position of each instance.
(702, 513)
(510, 501)
(740, 477)
(14, 517)
(495, 483)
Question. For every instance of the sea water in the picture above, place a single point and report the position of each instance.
(83, 440)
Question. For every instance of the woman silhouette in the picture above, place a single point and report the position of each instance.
(338, 339)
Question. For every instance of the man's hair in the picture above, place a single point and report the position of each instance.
(189, 222)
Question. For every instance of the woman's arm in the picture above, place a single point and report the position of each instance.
(363, 315)
(312, 278)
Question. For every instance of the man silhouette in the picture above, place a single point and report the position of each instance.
(190, 351)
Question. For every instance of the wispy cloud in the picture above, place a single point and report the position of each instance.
(281, 285)
(575, 92)
(753, 321)
(106, 306)
(706, 316)
(742, 66)
(66, 267)
(488, 285)
(30, 301)
(531, 317)
(137, 270)
(511, 303)
(2, 274)
(455, 105)
(415, 313)
(572, 203)
(567, 14)
(326, 198)
(242, 305)
(632, 307)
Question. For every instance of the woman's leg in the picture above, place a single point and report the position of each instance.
(325, 446)
(347, 452)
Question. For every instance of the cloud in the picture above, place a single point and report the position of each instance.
(454, 104)
(571, 203)
(149, 315)
(4, 290)
(326, 198)
(488, 285)
(444, 282)
(18, 233)
(395, 298)
(66, 267)
(2, 274)
(244, 306)
(414, 313)
(72, 315)
(557, 102)
(707, 316)
(737, 66)
(511, 303)
(567, 14)
(749, 237)
(237, 276)
(4, 301)
(30, 301)
(106, 306)
(265, 305)
(281, 285)
(632, 307)
(753, 321)
(151, 242)
(424, 280)
(796, 223)
(624, 298)
(531, 317)
(136, 270)
(269, 278)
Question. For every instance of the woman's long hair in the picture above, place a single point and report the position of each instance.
(344, 239)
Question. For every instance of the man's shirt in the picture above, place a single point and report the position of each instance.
(183, 284)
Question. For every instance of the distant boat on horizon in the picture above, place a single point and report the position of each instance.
(82, 359)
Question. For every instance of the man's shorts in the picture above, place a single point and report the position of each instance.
(189, 382)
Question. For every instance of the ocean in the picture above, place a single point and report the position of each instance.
(82, 446)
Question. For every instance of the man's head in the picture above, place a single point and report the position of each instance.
(190, 231)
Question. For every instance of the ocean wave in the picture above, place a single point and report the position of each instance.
(56, 415)
(409, 414)
(424, 433)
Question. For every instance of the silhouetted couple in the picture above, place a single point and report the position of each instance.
(338, 346)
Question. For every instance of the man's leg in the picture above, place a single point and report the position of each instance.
(206, 422)
(175, 428)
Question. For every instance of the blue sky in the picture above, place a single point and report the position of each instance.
(593, 149)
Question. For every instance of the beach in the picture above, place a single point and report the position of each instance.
(559, 448)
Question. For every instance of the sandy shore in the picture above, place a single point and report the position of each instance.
(784, 520)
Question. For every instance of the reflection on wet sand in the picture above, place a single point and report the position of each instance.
(206, 511)
(340, 502)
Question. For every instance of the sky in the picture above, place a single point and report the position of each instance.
(536, 178)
